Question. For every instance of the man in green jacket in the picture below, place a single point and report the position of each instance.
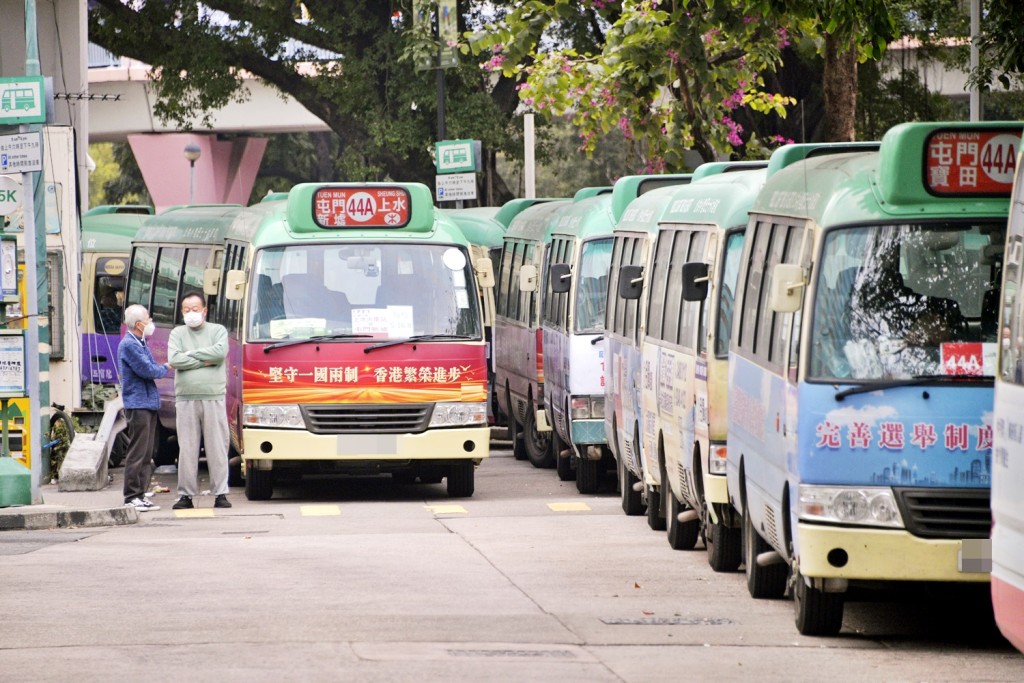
(197, 351)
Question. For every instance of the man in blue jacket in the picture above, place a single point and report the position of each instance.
(141, 399)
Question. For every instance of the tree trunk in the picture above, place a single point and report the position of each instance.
(840, 86)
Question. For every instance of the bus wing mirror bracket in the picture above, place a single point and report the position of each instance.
(234, 285)
(211, 282)
(528, 278)
(787, 288)
(631, 281)
(695, 281)
(561, 277)
(484, 268)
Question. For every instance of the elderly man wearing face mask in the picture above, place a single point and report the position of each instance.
(141, 400)
(196, 350)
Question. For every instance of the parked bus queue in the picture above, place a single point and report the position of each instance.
(806, 363)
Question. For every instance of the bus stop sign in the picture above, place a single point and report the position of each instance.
(21, 100)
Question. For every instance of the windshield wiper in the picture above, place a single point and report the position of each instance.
(597, 340)
(415, 338)
(909, 382)
(318, 338)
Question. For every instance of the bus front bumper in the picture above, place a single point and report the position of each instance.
(889, 555)
(436, 444)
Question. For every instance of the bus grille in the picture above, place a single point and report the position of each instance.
(365, 419)
(946, 513)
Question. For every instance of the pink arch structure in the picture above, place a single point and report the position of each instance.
(224, 173)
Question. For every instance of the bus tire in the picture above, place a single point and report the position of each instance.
(817, 613)
(461, 479)
(259, 484)
(588, 475)
(515, 431)
(762, 582)
(538, 446)
(632, 501)
(725, 546)
(655, 520)
(119, 449)
(563, 464)
(681, 535)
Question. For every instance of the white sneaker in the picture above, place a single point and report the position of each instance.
(142, 505)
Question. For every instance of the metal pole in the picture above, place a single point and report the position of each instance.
(440, 100)
(529, 172)
(37, 300)
(191, 181)
(975, 58)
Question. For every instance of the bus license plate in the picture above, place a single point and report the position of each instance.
(368, 444)
(975, 555)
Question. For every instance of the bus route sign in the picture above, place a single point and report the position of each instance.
(361, 207)
(975, 162)
(21, 100)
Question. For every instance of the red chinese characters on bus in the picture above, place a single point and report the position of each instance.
(361, 207)
(973, 162)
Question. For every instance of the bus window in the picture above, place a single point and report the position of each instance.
(165, 290)
(140, 280)
(730, 271)
(592, 288)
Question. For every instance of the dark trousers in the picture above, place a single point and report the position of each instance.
(138, 460)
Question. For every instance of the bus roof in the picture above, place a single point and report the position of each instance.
(120, 208)
(875, 185)
(478, 224)
(644, 213)
(514, 207)
(718, 167)
(790, 154)
(207, 224)
(585, 217)
(110, 231)
(627, 188)
(535, 222)
(588, 192)
(722, 200)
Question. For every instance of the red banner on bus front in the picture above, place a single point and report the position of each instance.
(361, 207)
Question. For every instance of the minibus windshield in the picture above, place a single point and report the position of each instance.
(365, 291)
(903, 301)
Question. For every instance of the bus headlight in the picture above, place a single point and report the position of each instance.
(458, 414)
(866, 506)
(281, 416)
(587, 407)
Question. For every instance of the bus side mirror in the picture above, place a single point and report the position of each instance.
(561, 277)
(695, 281)
(528, 278)
(484, 268)
(211, 282)
(234, 285)
(631, 281)
(787, 288)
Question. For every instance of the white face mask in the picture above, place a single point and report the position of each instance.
(149, 329)
(193, 318)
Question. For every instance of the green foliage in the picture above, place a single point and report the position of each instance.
(668, 75)
(121, 181)
(1002, 43)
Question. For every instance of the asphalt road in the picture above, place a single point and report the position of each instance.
(366, 580)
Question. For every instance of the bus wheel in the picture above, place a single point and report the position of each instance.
(461, 479)
(762, 582)
(588, 475)
(725, 546)
(234, 468)
(632, 501)
(681, 535)
(259, 484)
(119, 449)
(515, 432)
(538, 446)
(563, 464)
(654, 517)
(817, 613)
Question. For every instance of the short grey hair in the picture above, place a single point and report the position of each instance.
(135, 313)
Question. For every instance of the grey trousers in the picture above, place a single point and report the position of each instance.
(138, 461)
(206, 420)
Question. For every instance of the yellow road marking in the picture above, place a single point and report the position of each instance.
(320, 510)
(447, 509)
(194, 513)
(569, 507)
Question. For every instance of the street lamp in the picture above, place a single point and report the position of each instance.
(192, 152)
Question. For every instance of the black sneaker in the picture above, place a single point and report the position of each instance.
(222, 502)
(183, 503)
